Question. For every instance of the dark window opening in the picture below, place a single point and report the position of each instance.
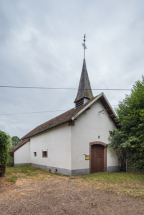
(35, 154)
(44, 154)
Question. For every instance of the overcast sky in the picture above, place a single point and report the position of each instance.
(41, 45)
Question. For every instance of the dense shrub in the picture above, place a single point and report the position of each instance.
(4, 154)
(129, 137)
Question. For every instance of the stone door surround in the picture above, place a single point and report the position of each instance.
(105, 154)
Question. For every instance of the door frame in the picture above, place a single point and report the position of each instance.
(105, 154)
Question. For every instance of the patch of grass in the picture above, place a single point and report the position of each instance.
(56, 173)
(13, 173)
(115, 178)
(124, 183)
(12, 179)
(139, 196)
(30, 172)
(121, 183)
(26, 169)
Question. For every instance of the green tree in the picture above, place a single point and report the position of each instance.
(129, 138)
(5, 145)
(15, 140)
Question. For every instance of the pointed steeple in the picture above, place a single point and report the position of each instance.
(84, 90)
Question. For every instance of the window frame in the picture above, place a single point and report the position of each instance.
(45, 155)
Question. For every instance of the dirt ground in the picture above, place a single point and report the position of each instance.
(64, 197)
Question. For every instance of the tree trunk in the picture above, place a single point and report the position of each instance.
(2, 170)
(126, 165)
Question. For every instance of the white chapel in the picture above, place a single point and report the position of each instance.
(74, 142)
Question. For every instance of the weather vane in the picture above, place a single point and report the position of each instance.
(84, 45)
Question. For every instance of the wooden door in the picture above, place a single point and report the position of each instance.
(97, 158)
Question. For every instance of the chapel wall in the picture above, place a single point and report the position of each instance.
(57, 142)
(88, 126)
(22, 155)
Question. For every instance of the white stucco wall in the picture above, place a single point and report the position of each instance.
(67, 145)
(88, 126)
(112, 159)
(58, 143)
(22, 155)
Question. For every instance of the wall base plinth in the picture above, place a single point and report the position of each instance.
(113, 169)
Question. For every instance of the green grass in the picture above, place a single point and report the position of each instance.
(28, 172)
(121, 183)
(25, 170)
(12, 179)
(115, 178)
(21, 169)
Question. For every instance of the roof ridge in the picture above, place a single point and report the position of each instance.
(65, 117)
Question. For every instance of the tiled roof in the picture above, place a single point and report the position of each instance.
(66, 117)
(84, 90)
(18, 146)
(61, 119)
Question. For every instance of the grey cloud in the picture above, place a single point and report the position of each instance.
(41, 46)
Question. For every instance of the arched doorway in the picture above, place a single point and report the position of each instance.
(98, 158)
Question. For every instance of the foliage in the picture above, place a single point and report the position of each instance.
(15, 140)
(4, 151)
(129, 138)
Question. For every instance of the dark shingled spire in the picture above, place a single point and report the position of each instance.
(84, 90)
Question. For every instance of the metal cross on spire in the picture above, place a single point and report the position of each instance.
(84, 45)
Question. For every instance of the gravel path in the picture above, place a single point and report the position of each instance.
(65, 197)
